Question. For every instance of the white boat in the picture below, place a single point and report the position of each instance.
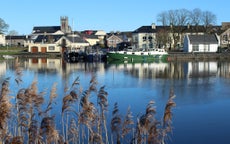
(8, 57)
(151, 55)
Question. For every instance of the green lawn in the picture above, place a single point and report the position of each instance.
(11, 50)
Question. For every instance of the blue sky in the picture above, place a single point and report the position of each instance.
(108, 15)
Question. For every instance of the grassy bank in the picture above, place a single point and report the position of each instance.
(12, 50)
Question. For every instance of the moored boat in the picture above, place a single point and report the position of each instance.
(145, 56)
(8, 57)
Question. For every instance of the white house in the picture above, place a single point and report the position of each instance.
(201, 43)
(225, 38)
(56, 43)
(2, 40)
(144, 37)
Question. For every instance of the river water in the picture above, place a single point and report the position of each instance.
(202, 90)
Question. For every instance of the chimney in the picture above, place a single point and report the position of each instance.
(188, 26)
(153, 26)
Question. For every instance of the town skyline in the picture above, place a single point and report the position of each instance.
(101, 15)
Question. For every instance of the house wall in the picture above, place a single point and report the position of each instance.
(203, 48)
(113, 40)
(42, 48)
(225, 38)
(186, 44)
(16, 42)
(92, 41)
(76, 46)
(2, 40)
(140, 42)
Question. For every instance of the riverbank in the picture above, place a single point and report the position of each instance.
(180, 56)
(173, 56)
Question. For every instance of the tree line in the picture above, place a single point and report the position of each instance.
(182, 17)
(177, 20)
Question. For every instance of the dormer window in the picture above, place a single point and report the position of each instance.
(150, 38)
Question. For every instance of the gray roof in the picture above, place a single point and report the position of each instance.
(47, 38)
(76, 39)
(203, 39)
(46, 29)
(184, 29)
(8, 37)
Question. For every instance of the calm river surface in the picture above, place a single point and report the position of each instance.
(202, 90)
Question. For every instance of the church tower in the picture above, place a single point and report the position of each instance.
(65, 25)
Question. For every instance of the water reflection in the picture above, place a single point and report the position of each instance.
(202, 90)
(171, 70)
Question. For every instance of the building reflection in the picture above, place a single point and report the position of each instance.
(171, 70)
(201, 69)
(2, 69)
(143, 70)
(48, 65)
(224, 69)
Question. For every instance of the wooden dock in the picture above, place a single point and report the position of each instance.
(180, 56)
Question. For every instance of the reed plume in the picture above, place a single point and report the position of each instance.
(88, 112)
(145, 122)
(93, 84)
(167, 119)
(154, 133)
(127, 124)
(47, 127)
(28, 104)
(52, 96)
(116, 123)
(68, 105)
(73, 133)
(18, 71)
(48, 131)
(15, 140)
(5, 109)
(102, 100)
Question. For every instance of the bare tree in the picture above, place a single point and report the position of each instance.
(162, 38)
(163, 18)
(182, 17)
(195, 16)
(208, 18)
(13, 33)
(179, 18)
(3, 26)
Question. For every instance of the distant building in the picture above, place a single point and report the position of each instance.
(2, 39)
(17, 40)
(56, 38)
(56, 43)
(64, 28)
(225, 35)
(167, 36)
(113, 40)
(201, 43)
(94, 36)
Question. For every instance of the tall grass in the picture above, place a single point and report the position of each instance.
(82, 121)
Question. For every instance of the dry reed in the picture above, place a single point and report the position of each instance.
(82, 120)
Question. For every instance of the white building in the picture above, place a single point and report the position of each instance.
(2, 40)
(201, 43)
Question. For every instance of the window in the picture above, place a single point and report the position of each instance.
(144, 38)
(206, 48)
(144, 46)
(150, 45)
(195, 47)
(51, 47)
(150, 38)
